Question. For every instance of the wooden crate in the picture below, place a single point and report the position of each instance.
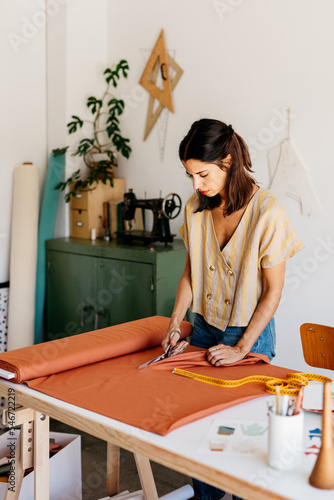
(86, 208)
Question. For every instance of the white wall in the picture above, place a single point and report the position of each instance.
(77, 55)
(244, 62)
(22, 102)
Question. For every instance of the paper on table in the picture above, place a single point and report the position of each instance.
(249, 436)
(313, 396)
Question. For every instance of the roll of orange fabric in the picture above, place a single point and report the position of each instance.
(81, 350)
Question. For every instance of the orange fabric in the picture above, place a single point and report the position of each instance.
(80, 350)
(152, 398)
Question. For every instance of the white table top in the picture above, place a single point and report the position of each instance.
(183, 443)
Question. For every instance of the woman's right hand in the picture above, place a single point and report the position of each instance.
(171, 337)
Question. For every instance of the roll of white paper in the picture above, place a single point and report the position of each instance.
(23, 256)
(182, 493)
(137, 495)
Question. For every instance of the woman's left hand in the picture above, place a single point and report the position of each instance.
(221, 354)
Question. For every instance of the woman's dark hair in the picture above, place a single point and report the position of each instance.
(210, 141)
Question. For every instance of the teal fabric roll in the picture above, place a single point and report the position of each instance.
(46, 227)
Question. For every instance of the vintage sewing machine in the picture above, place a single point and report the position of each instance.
(163, 210)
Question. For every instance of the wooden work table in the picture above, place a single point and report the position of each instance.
(247, 476)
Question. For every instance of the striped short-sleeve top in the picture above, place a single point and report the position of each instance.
(227, 283)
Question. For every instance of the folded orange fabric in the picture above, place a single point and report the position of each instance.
(152, 398)
(80, 350)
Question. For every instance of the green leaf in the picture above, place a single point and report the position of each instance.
(116, 106)
(84, 146)
(94, 103)
(114, 74)
(112, 128)
(63, 185)
(112, 157)
(59, 152)
(75, 124)
(121, 145)
(112, 118)
(60, 186)
(126, 151)
(113, 77)
(117, 139)
(123, 66)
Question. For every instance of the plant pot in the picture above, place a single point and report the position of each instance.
(96, 157)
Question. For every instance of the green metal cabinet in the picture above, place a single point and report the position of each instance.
(94, 284)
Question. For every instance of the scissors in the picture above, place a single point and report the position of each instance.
(170, 351)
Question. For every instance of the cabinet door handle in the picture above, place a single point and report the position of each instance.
(82, 316)
(97, 315)
(83, 311)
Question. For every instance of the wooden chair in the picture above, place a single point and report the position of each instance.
(318, 345)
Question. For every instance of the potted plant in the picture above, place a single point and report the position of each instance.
(99, 150)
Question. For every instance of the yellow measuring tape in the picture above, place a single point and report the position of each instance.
(290, 386)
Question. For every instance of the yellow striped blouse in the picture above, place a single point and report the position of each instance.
(227, 284)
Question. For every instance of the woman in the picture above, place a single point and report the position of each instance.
(238, 238)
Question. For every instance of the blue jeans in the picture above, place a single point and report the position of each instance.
(205, 336)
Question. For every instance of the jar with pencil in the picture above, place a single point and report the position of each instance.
(286, 431)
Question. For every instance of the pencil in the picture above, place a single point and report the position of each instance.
(277, 400)
(285, 404)
(298, 401)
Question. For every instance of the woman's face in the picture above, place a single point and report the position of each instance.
(208, 178)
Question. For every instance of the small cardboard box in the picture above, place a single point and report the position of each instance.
(65, 469)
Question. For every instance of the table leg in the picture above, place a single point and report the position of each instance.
(146, 477)
(41, 456)
(16, 477)
(113, 457)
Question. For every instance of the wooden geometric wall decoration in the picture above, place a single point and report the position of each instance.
(158, 56)
(152, 116)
